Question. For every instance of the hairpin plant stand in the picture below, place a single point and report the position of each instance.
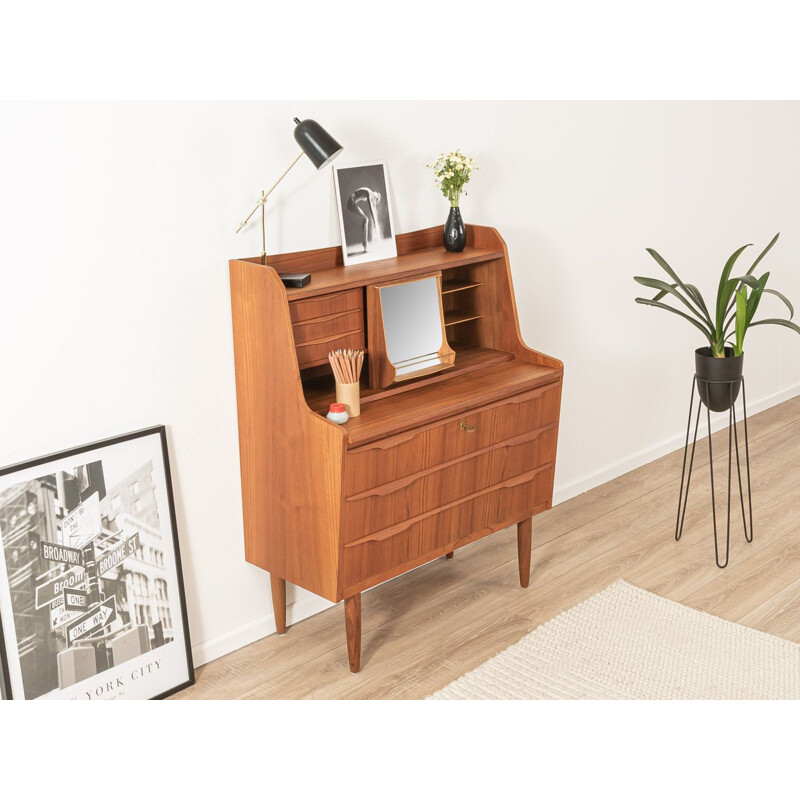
(733, 443)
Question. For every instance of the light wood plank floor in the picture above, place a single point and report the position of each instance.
(426, 628)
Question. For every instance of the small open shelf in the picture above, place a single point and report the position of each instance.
(455, 285)
(456, 317)
(466, 298)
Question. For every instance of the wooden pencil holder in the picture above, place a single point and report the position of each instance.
(350, 395)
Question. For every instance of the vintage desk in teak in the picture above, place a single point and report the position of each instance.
(430, 465)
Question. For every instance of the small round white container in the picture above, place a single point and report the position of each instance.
(338, 413)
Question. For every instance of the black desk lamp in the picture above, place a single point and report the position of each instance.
(320, 147)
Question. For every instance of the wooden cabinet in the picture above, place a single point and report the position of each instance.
(431, 465)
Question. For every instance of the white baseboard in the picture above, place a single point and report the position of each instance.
(263, 626)
(562, 493)
(302, 609)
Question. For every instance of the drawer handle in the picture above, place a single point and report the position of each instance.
(468, 428)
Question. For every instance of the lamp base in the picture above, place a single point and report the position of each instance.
(296, 280)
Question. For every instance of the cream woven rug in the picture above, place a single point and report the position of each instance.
(628, 644)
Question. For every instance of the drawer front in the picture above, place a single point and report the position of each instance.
(404, 455)
(373, 559)
(324, 306)
(384, 506)
(310, 354)
(336, 324)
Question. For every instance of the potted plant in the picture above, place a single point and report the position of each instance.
(452, 171)
(719, 365)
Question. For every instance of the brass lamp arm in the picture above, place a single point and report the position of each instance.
(265, 195)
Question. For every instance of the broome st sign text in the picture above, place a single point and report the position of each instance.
(110, 560)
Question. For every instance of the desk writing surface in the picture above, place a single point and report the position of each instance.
(428, 403)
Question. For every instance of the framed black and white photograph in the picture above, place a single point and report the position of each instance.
(365, 212)
(5, 689)
(92, 604)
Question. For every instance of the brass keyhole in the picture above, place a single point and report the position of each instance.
(468, 428)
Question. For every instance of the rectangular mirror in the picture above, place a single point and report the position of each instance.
(407, 334)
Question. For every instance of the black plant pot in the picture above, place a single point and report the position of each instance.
(718, 379)
(455, 234)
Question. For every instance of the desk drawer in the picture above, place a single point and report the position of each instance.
(390, 552)
(315, 352)
(327, 304)
(403, 455)
(381, 507)
(336, 324)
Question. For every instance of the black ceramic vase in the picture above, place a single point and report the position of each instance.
(718, 379)
(455, 234)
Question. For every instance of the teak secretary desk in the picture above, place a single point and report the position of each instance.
(429, 466)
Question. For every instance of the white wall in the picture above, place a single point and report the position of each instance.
(116, 225)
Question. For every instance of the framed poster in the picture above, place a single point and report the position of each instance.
(365, 212)
(5, 689)
(92, 603)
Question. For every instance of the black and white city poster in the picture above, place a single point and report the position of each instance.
(92, 604)
(365, 212)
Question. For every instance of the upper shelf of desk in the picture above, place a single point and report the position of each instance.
(337, 278)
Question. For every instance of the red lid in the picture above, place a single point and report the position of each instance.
(337, 408)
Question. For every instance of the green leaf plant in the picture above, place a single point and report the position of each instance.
(737, 301)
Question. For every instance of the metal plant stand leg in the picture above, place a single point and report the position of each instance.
(733, 443)
(747, 460)
(682, 501)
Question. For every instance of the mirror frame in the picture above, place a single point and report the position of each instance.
(382, 372)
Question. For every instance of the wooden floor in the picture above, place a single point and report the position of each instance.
(424, 629)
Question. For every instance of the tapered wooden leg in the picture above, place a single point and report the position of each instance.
(524, 551)
(279, 602)
(450, 554)
(352, 622)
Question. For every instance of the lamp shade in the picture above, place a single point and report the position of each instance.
(316, 142)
